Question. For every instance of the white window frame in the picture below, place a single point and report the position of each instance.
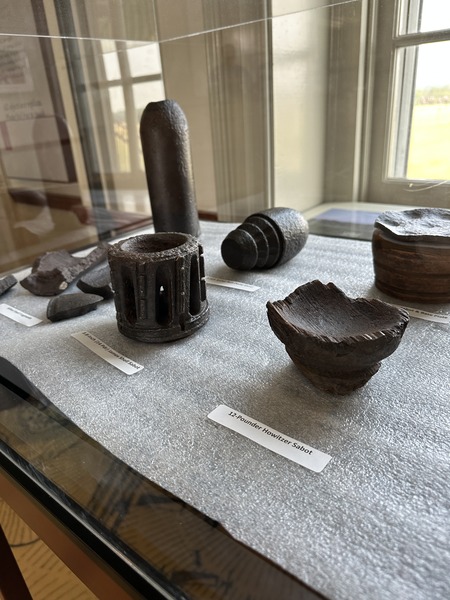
(389, 108)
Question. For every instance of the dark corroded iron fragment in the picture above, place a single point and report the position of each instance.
(337, 342)
(265, 239)
(7, 283)
(97, 281)
(68, 306)
(53, 272)
(167, 156)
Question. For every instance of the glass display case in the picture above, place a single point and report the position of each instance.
(337, 109)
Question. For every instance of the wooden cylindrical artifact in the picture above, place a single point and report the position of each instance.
(411, 254)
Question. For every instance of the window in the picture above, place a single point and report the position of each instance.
(132, 75)
(408, 161)
(113, 75)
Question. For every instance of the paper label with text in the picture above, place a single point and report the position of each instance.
(114, 358)
(19, 316)
(237, 285)
(427, 316)
(304, 455)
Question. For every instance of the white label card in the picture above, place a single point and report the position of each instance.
(304, 455)
(427, 316)
(17, 315)
(114, 358)
(237, 285)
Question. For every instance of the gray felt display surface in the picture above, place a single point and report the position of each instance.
(375, 524)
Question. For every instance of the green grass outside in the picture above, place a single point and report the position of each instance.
(429, 151)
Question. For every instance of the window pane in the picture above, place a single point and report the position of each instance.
(144, 60)
(117, 102)
(429, 144)
(112, 69)
(422, 16)
(110, 60)
(150, 91)
(435, 15)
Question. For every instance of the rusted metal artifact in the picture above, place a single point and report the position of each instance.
(411, 254)
(159, 286)
(336, 342)
(167, 157)
(6, 283)
(97, 281)
(53, 272)
(265, 239)
(68, 306)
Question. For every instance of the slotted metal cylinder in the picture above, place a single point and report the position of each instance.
(159, 286)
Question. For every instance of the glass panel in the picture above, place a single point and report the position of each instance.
(286, 7)
(23, 17)
(435, 15)
(144, 60)
(44, 196)
(149, 91)
(300, 55)
(429, 146)
(144, 20)
(117, 104)
(176, 18)
(254, 96)
(424, 16)
(113, 20)
(110, 60)
(421, 129)
(153, 535)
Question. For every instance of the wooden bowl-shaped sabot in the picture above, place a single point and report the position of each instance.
(336, 342)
